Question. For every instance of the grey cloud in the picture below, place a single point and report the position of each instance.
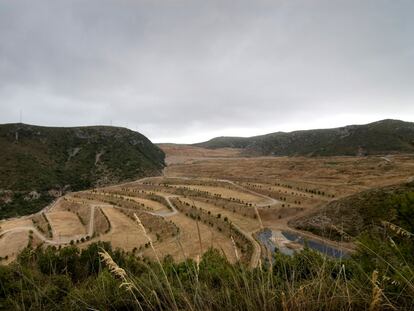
(185, 70)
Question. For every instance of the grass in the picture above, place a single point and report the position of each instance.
(305, 282)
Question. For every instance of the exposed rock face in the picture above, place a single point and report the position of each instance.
(55, 193)
(6, 196)
(73, 152)
(32, 195)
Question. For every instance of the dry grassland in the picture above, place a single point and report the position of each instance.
(12, 243)
(65, 224)
(187, 244)
(101, 224)
(41, 223)
(183, 153)
(336, 175)
(124, 232)
(227, 193)
(246, 223)
(155, 206)
(300, 185)
(13, 223)
(82, 210)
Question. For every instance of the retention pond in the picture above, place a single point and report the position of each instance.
(288, 243)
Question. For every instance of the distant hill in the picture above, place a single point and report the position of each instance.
(357, 213)
(40, 163)
(382, 137)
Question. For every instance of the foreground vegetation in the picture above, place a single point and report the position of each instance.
(379, 276)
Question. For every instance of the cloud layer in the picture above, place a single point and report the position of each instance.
(184, 71)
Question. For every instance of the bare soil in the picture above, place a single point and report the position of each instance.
(65, 224)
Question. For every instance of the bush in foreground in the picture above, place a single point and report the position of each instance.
(73, 279)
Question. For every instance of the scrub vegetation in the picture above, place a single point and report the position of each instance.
(38, 164)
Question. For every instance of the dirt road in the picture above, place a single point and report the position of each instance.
(281, 224)
(56, 240)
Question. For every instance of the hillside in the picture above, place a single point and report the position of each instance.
(382, 137)
(40, 163)
(354, 214)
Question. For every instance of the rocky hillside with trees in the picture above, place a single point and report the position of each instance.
(382, 137)
(38, 164)
(349, 217)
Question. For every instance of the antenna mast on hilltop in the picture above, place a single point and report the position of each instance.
(16, 137)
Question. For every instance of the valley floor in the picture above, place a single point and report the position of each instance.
(205, 199)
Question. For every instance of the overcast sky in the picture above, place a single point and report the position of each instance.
(186, 71)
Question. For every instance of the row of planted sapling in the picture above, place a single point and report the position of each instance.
(41, 223)
(238, 208)
(221, 224)
(113, 199)
(128, 194)
(102, 223)
(79, 208)
(153, 223)
(287, 198)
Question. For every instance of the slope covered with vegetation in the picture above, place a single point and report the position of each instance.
(349, 217)
(40, 163)
(382, 137)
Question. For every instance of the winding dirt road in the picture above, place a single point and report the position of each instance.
(255, 259)
(35, 232)
(66, 240)
(57, 240)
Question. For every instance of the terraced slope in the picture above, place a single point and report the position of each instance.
(40, 163)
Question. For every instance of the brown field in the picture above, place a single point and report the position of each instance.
(187, 244)
(227, 193)
(78, 208)
(12, 243)
(10, 224)
(336, 175)
(124, 232)
(155, 206)
(246, 223)
(41, 223)
(218, 189)
(101, 224)
(184, 153)
(65, 224)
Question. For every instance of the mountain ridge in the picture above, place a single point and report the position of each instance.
(380, 137)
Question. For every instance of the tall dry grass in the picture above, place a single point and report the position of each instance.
(256, 289)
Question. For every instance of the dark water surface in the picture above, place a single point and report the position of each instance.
(315, 245)
(264, 238)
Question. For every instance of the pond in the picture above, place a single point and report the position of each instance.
(316, 245)
(265, 237)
